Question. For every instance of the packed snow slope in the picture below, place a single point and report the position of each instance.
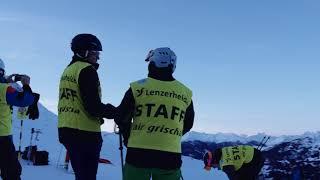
(48, 140)
(285, 154)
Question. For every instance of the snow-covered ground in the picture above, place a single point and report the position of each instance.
(191, 168)
(48, 140)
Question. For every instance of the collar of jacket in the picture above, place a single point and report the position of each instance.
(162, 76)
(76, 59)
(3, 79)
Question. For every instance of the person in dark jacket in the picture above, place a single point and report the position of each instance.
(10, 168)
(80, 110)
(154, 114)
(238, 162)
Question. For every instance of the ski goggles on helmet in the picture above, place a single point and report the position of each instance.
(97, 53)
(149, 55)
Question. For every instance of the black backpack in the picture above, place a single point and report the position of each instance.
(41, 158)
(26, 151)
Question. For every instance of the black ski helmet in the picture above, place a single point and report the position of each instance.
(85, 42)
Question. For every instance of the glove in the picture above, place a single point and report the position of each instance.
(33, 110)
(207, 160)
(125, 139)
(125, 132)
(110, 111)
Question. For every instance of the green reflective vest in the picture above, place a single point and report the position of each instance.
(71, 112)
(160, 107)
(236, 156)
(5, 112)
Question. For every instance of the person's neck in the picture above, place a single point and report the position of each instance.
(78, 59)
(162, 76)
(3, 79)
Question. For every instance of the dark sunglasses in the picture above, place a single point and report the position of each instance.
(96, 53)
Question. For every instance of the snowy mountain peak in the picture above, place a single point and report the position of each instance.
(231, 137)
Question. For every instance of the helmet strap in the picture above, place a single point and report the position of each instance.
(85, 54)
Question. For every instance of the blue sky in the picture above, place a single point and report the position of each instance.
(253, 66)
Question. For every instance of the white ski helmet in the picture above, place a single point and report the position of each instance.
(2, 64)
(162, 57)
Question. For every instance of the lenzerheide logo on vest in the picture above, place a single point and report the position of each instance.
(169, 94)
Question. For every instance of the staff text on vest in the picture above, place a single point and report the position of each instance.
(68, 94)
(155, 110)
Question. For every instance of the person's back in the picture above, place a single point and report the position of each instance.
(238, 162)
(236, 156)
(160, 108)
(162, 111)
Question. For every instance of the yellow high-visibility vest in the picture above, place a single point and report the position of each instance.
(5, 112)
(160, 108)
(71, 112)
(236, 156)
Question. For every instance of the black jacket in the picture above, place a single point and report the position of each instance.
(146, 158)
(88, 84)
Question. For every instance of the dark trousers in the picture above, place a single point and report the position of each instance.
(251, 170)
(84, 157)
(9, 164)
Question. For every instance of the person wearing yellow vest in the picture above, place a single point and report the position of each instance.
(152, 117)
(80, 110)
(241, 162)
(10, 168)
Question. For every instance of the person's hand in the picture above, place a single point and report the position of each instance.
(110, 111)
(207, 160)
(25, 80)
(10, 78)
(111, 107)
(33, 110)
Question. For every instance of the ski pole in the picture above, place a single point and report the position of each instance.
(261, 142)
(264, 143)
(30, 147)
(66, 161)
(117, 131)
(21, 115)
(20, 140)
(38, 131)
(59, 157)
(121, 151)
